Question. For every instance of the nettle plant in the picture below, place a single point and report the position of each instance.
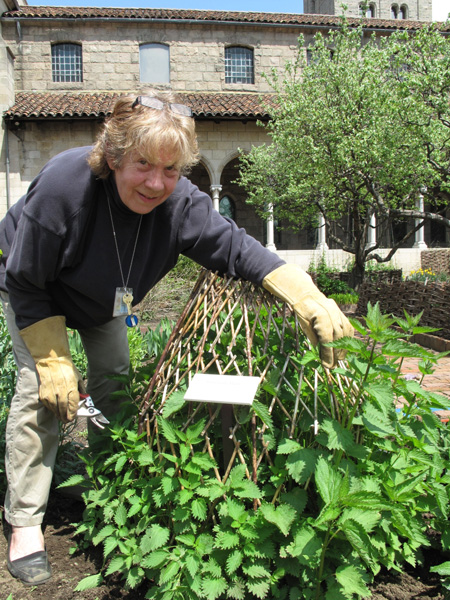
(327, 478)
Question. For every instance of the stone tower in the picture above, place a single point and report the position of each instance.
(415, 10)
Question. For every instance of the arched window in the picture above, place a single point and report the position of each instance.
(227, 208)
(394, 11)
(403, 12)
(367, 11)
(154, 63)
(67, 63)
(239, 65)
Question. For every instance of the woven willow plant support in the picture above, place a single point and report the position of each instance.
(230, 326)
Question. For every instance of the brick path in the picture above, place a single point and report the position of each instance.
(438, 382)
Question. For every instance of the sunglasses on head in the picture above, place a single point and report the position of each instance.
(151, 102)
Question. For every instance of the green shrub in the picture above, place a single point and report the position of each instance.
(345, 298)
(326, 512)
(327, 279)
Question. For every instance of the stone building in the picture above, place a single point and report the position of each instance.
(372, 9)
(61, 69)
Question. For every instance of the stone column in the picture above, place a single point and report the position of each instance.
(372, 233)
(215, 193)
(270, 231)
(419, 236)
(322, 231)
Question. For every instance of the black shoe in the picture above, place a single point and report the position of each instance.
(33, 569)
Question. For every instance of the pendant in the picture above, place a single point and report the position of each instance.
(131, 320)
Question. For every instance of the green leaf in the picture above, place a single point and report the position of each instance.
(301, 464)
(103, 533)
(443, 569)
(288, 446)
(213, 588)
(227, 539)
(359, 540)
(88, 583)
(169, 572)
(383, 394)
(328, 481)
(234, 561)
(193, 563)
(109, 545)
(168, 430)
(146, 457)
(367, 519)
(74, 480)
(377, 422)
(155, 559)
(187, 539)
(134, 577)
(199, 509)
(117, 564)
(263, 413)
(306, 546)
(204, 461)
(236, 510)
(121, 461)
(282, 516)
(340, 438)
(120, 516)
(297, 498)
(258, 588)
(155, 538)
(193, 432)
(247, 489)
(352, 581)
(236, 589)
(173, 403)
(256, 571)
(213, 568)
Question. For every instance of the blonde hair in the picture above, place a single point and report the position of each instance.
(147, 131)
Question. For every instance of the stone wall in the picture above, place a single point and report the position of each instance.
(111, 53)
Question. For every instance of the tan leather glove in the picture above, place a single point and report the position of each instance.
(320, 318)
(60, 380)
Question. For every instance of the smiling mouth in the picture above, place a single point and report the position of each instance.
(148, 198)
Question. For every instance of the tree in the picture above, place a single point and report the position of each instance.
(358, 131)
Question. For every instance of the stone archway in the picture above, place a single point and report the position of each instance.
(200, 177)
(245, 214)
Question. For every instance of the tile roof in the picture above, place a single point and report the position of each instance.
(157, 14)
(85, 105)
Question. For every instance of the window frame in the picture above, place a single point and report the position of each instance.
(233, 71)
(67, 68)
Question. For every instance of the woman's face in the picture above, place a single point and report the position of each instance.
(143, 186)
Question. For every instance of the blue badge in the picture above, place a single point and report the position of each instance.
(131, 320)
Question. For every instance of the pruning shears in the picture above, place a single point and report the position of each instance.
(86, 408)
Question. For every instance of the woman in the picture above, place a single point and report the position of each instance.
(97, 229)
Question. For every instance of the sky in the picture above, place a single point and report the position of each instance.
(441, 8)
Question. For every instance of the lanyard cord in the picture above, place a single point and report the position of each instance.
(124, 283)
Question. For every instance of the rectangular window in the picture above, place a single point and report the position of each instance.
(67, 64)
(154, 63)
(239, 65)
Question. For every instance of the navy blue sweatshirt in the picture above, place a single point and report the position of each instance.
(59, 255)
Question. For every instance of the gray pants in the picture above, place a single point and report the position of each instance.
(32, 431)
